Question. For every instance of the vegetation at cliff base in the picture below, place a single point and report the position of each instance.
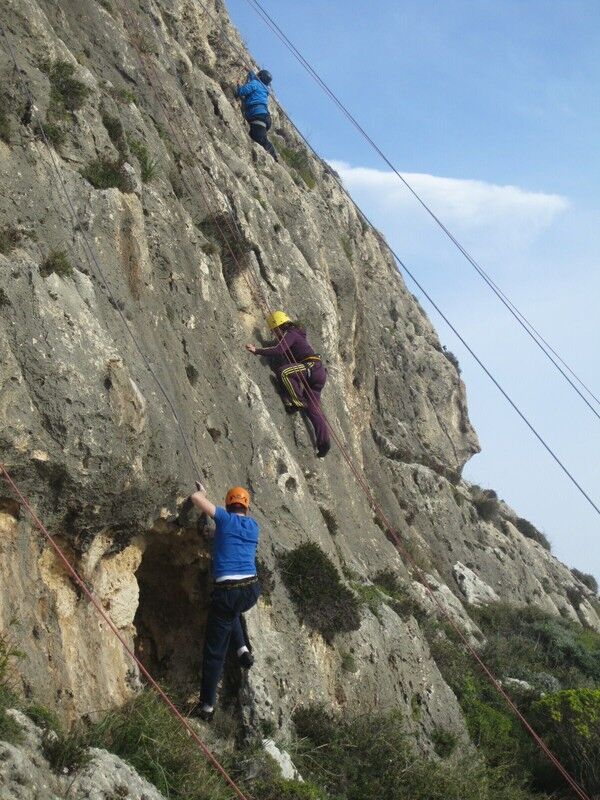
(371, 756)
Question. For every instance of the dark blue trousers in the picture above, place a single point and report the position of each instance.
(223, 626)
(259, 125)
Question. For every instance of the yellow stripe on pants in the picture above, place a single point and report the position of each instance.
(292, 370)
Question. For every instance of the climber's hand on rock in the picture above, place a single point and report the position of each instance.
(251, 348)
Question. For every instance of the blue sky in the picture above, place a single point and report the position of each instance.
(491, 109)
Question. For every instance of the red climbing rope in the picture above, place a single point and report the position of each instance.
(373, 503)
(376, 507)
(97, 605)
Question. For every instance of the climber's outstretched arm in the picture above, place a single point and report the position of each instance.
(201, 501)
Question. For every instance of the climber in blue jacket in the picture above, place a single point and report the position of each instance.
(255, 99)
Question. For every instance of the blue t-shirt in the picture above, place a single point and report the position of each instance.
(235, 543)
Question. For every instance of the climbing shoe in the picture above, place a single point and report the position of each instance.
(246, 660)
(323, 450)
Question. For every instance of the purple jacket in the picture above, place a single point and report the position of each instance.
(294, 345)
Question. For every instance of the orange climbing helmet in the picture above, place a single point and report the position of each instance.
(238, 496)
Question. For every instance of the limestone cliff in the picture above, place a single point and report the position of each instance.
(87, 431)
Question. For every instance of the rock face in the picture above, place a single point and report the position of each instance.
(171, 271)
(25, 772)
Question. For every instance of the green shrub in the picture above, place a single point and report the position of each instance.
(452, 359)
(525, 642)
(43, 717)
(322, 601)
(10, 731)
(148, 165)
(346, 247)
(52, 131)
(115, 130)
(66, 752)
(569, 722)
(266, 579)
(122, 94)
(402, 600)
(106, 174)
(531, 532)
(486, 503)
(587, 579)
(10, 237)
(66, 92)
(146, 735)
(444, 742)
(349, 663)
(58, 263)
(281, 789)
(4, 126)
(370, 756)
(299, 161)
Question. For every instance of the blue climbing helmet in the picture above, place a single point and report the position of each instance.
(264, 76)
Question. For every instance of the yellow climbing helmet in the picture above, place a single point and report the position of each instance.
(276, 319)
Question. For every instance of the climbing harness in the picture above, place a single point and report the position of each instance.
(379, 512)
(529, 329)
(383, 518)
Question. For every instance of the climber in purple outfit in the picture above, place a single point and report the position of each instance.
(300, 373)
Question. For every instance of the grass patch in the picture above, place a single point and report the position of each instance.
(146, 735)
(346, 247)
(10, 731)
(322, 601)
(5, 128)
(266, 579)
(66, 752)
(57, 263)
(299, 161)
(531, 532)
(122, 94)
(10, 237)
(148, 165)
(54, 132)
(486, 503)
(569, 721)
(401, 598)
(104, 173)
(444, 742)
(115, 130)
(66, 92)
(349, 663)
(587, 579)
(370, 756)
(452, 359)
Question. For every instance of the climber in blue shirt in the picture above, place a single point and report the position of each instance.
(236, 588)
(255, 99)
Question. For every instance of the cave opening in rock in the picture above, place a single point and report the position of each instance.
(174, 585)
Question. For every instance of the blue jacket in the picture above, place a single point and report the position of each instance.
(255, 95)
(235, 543)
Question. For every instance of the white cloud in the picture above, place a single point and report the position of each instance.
(468, 205)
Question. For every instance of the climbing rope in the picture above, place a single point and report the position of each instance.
(89, 251)
(154, 82)
(98, 606)
(539, 340)
(391, 532)
(38, 523)
(452, 327)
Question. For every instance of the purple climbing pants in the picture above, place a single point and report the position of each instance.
(293, 379)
